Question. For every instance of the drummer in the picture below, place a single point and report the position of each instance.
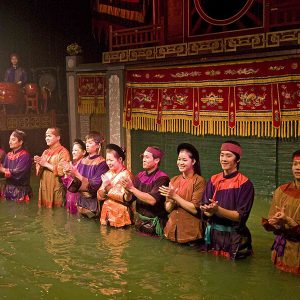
(15, 73)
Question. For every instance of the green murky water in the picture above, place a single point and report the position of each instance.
(48, 254)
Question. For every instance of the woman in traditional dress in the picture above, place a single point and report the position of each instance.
(16, 169)
(284, 222)
(49, 168)
(116, 209)
(78, 152)
(226, 204)
(87, 176)
(183, 198)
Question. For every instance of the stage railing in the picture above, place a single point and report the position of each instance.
(144, 36)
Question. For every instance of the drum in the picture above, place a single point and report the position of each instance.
(10, 93)
(31, 89)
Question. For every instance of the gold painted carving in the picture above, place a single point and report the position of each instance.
(276, 39)
(200, 47)
(254, 41)
(171, 50)
(232, 44)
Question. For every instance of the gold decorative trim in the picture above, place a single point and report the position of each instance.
(30, 121)
(172, 50)
(200, 47)
(223, 82)
(142, 53)
(276, 39)
(232, 44)
(115, 56)
(254, 41)
(216, 126)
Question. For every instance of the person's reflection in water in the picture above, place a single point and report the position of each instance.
(54, 260)
(114, 243)
(56, 243)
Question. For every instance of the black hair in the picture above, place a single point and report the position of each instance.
(194, 155)
(296, 153)
(81, 144)
(118, 150)
(20, 135)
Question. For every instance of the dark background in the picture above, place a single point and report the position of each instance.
(40, 30)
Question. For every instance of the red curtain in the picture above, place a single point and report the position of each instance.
(243, 98)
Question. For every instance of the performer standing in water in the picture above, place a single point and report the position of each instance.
(226, 205)
(151, 214)
(183, 197)
(116, 209)
(284, 222)
(49, 168)
(16, 169)
(87, 176)
(78, 153)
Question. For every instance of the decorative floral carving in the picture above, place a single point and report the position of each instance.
(186, 74)
(74, 49)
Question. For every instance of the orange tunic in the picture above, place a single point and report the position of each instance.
(115, 211)
(288, 196)
(51, 191)
(182, 226)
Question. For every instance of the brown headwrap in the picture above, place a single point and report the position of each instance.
(232, 148)
(156, 152)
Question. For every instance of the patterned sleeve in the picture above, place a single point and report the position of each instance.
(117, 192)
(198, 189)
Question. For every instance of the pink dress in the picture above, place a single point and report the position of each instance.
(71, 198)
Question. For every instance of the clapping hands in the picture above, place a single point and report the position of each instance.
(279, 219)
(210, 209)
(105, 180)
(168, 191)
(126, 183)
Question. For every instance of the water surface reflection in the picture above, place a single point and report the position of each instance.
(48, 254)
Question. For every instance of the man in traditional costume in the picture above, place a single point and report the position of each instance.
(150, 204)
(284, 222)
(16, 169)
(226, 205)
(49, 167)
